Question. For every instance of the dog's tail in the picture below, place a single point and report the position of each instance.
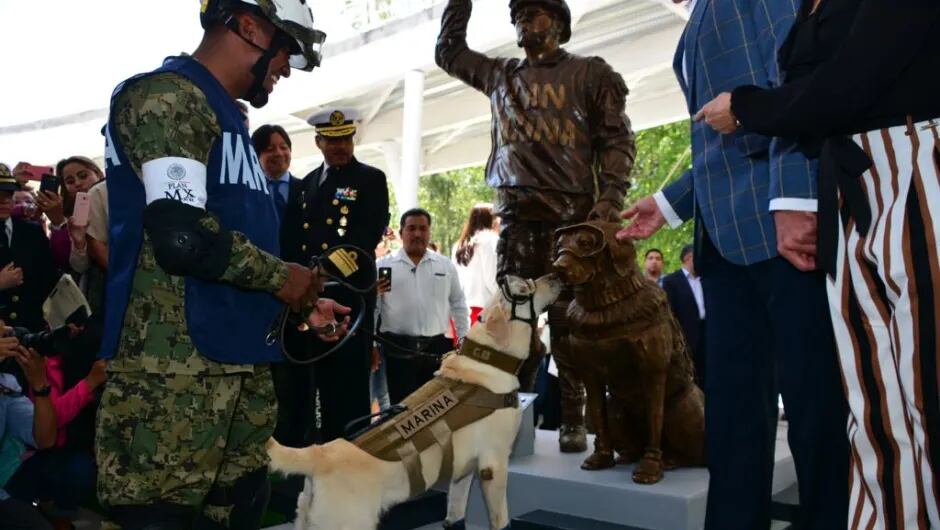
(293, 461)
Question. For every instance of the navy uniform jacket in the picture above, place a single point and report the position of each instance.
(29, 250)
(291, 220)
(350, 207)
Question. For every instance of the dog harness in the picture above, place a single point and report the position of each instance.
(433, 413)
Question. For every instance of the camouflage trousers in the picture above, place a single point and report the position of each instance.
(172, 438)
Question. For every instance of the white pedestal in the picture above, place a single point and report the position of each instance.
(553, 481)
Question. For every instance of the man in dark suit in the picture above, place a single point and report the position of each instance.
(293, 385)
(684, 290)
(27, 272)
(341, 202)
(767, 321)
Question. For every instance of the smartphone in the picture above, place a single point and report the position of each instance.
(81, 209)
(385, 273)
(36, 172)
(49, 182)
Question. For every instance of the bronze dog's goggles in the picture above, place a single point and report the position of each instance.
(581, 240)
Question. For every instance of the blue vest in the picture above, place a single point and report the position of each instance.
(226, 323)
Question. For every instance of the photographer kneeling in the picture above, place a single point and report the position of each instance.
(64, 473)
(22, 424)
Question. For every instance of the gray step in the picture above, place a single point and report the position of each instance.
(545, 520)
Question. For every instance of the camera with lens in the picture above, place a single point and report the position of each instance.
(46, 343)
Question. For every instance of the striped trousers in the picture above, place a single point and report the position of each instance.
(885, 305)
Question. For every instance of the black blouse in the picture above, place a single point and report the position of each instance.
(852, 66)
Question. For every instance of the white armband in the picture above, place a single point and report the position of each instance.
(179, 179)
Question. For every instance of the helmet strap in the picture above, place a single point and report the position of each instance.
(256, 94)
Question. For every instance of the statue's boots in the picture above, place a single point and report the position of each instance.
(572, 435)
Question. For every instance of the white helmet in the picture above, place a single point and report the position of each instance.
(292, 17)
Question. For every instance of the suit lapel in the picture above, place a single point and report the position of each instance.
(677, 62)
(312, 187)
(686, 288)
(691, 47)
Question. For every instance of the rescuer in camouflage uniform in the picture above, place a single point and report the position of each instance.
(194, 282)
(562, 152)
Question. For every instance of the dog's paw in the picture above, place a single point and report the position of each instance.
(648, 471)
(627, 459)
(457, 525)
(599, 460)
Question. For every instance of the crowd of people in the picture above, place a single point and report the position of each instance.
(43, 239)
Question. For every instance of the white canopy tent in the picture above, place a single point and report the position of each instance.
(416, 119)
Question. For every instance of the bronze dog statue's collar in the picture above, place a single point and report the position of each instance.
(589, 296)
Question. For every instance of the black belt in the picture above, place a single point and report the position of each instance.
(415, 342)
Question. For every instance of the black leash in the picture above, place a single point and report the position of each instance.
(382, 415)
(324, 265)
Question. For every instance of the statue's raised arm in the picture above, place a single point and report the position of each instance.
(456, 58)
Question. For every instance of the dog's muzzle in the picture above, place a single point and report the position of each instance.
(520, 300)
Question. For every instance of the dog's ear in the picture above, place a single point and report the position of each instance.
(496, 324)
(622, 253)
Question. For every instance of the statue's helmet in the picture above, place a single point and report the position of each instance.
(556, 7)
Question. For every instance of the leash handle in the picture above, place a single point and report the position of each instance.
(383, 416)
(279, 325)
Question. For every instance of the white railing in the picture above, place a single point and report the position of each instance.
(364, 15)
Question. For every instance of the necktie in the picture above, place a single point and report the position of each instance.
(279, 201)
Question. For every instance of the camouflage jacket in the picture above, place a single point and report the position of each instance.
(159, 116)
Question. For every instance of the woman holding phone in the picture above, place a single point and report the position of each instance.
(75, 175)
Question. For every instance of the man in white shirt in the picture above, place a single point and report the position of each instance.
(415, 306)
(684, 290)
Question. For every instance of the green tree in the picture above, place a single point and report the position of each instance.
(448, 197)
(663, 154)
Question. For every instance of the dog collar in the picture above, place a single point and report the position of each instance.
(490, 356)
(593, 298)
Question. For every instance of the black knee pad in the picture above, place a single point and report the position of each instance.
(248, 497)
(157, 516)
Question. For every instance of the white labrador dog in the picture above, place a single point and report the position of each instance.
(349, 489)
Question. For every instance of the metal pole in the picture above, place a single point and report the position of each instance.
(407, 195)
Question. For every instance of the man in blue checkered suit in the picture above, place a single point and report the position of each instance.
(767, 325)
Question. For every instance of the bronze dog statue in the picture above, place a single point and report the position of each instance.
(629, 347)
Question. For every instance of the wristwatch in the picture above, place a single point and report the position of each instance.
(43, 392)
